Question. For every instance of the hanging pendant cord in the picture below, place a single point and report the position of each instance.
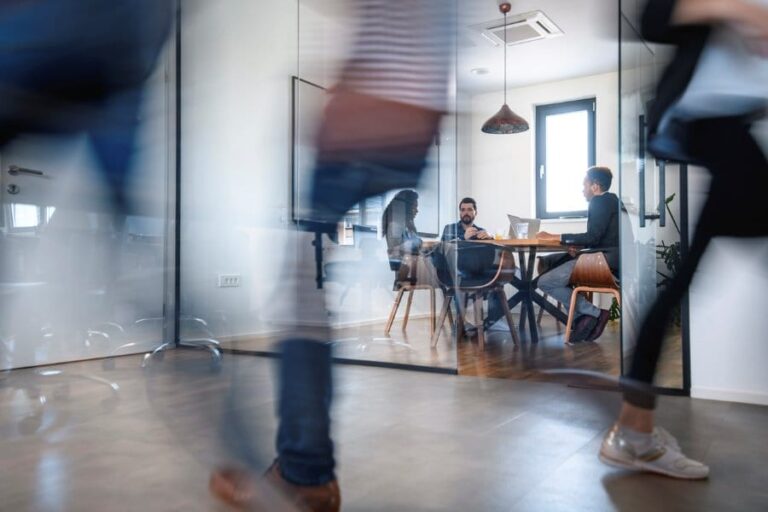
(505, 58)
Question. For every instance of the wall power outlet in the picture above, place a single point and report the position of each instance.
(229, 280)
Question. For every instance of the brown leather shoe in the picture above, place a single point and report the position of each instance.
(243, 490)
(272, 493)
(316, 498)
(602, 321)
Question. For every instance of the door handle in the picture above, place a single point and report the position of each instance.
(662, 193)
(641, 144)
(15, 170)
(641, 168)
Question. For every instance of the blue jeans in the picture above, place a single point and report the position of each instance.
(304, 444)
(555, 283)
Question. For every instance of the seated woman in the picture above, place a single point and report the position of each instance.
(403, 241)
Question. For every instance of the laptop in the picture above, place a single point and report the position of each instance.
(534, 226)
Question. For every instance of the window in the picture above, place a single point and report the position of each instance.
(565, 149)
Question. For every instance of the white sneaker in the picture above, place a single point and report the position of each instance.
(663, 457)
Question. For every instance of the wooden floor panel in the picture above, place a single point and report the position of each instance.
(500, 359)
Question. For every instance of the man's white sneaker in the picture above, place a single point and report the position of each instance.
(662, 455)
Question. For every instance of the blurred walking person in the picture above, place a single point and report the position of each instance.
(71, 66)
(698, 121)
(382, 118)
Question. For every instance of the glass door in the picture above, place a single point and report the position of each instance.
(78, 278)
(654, 213)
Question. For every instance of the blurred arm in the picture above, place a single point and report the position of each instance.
(750, 20)
(711, 12)
(672, 21)
(660, 25)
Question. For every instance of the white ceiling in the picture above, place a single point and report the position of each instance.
(588, 47)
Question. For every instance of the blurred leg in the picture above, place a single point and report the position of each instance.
(735, 207)
(304, 445)
(651, 337)
(113, 137)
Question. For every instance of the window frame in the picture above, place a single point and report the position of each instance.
(542, 112)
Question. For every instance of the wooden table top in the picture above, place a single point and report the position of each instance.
(525, 242)
(521, 243)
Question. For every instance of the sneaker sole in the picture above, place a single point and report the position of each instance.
(643, 466)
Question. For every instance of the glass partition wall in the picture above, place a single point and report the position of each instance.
(78, 281)
(654, 233)
(562, 79)
(581, 77)
(255, 78)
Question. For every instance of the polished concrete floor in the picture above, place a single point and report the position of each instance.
(407, 441)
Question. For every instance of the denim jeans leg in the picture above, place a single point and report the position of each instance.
(555, 284)
(304, 446)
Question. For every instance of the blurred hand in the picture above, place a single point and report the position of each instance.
(752, 25)
(470, 233)
(483, 235)
(750, 20)
(543, 235)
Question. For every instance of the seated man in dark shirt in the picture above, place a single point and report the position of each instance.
(470, 262)
(603, 235)
(465, 228)
(473, 259)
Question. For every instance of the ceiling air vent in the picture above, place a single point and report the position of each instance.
(521, 28)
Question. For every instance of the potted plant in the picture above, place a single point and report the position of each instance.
(671, 256)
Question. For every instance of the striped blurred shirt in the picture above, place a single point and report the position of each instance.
(403, 51)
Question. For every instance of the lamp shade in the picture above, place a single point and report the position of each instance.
(505, 122)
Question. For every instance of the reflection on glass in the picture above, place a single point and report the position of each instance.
(49, 211)
(567, 156)
(24, 216)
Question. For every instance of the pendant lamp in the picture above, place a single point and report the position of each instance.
(505, 121)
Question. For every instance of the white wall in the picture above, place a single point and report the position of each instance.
(500, 172)
(728, 322)
(238, 57)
